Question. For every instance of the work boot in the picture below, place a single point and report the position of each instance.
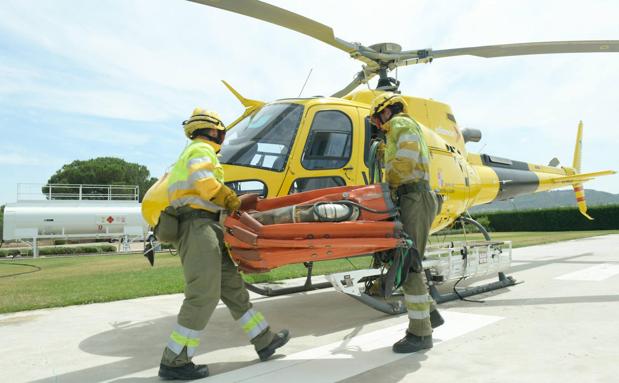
(412, 343)
(436, 319)
(187, 371)
(280, 339)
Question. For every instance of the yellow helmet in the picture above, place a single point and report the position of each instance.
(387, 99)
(202, 119)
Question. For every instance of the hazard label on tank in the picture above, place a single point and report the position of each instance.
(112, 220)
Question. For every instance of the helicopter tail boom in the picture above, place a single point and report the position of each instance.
(514, 178)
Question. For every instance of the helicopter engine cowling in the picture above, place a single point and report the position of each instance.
(471, 135)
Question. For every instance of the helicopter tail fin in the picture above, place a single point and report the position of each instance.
(579, 190)
(578, 149)
(574, 177)
(249, 104)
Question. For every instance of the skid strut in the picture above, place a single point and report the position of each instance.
(348, 283)
(307, 286)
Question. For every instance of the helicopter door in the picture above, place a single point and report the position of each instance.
(327, 157)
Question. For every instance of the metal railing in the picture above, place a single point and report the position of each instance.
(79, 192)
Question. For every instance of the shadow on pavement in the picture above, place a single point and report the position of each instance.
(141, 343)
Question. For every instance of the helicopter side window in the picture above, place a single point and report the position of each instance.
(329, 142)
(248, 186)
(307, 184)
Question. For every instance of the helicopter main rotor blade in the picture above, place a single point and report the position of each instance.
(279, 16)
(548, 47)
(505, 50)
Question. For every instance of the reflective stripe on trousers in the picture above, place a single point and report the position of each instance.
(418, 306)
(253, 323)
(184, 337)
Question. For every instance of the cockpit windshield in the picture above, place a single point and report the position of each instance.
(263, 139)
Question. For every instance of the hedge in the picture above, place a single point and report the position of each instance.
(558, 219)
(60, 250)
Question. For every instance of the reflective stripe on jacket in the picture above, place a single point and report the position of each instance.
(406, 152)
(196, 177)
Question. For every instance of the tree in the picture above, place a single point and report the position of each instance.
(103, 171)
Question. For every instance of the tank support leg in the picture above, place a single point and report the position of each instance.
(270, 292)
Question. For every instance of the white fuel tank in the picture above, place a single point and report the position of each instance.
(72, 219)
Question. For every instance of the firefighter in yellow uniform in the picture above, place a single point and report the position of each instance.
(406, 159)
(196, 189)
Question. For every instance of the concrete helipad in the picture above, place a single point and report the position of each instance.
(561, 325)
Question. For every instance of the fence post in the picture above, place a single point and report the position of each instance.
(35, 248)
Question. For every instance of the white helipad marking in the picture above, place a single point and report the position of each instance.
(594, 273)
(350, 357)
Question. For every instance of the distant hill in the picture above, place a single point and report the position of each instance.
(550, 199)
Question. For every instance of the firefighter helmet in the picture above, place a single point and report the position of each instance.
(387, 99)
(202, 119)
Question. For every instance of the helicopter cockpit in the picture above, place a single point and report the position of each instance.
(263, 139)
(316, 134)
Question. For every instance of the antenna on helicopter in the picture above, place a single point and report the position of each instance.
(305, 83)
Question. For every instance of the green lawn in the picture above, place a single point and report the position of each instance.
(67, 281)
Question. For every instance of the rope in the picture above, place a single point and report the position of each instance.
(463, 298)
(374, 163)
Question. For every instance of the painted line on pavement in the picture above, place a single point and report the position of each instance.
(351, 356)
(593, 273)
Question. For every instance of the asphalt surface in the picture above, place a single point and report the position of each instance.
(560, 325)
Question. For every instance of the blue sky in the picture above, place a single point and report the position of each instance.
(80, 79)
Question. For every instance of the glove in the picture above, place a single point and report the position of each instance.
(380, 152)
(249, 201)
(226, 198)
(232, 202)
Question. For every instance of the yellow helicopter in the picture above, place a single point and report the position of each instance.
(300, 144)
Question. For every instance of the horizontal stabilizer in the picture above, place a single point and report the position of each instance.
(576, 178)
(249, 104)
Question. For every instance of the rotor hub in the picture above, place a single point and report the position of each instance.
(386, 48)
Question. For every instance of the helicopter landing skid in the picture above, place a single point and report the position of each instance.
(307, 286)
(504, 281)
(396, 306)
(451, 262)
